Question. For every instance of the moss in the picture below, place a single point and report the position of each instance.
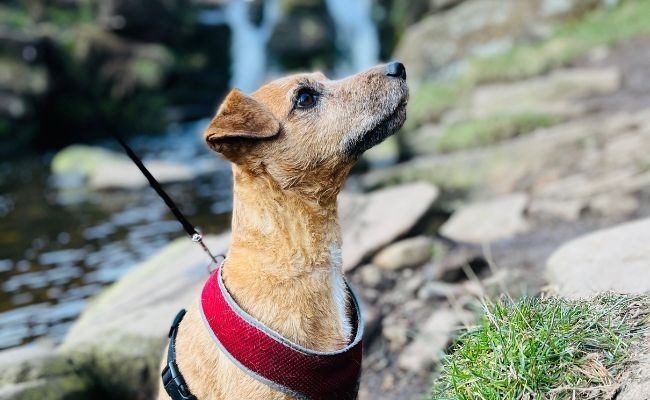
(569, 42)
(15, 18)
(432, 98)
(491, 129)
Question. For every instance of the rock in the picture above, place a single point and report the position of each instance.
(614, 259)
(552, 94)
(124, 174)
(121, 335)
(477, 28)
(374, 220)
(443, 4)
(370, 275)
(614, 205)
(429, 345)
(36, 371)
(396, 334)
(538, 161)
(303, 32)
(440, 39)
(406, 253)
(101, 169)
(489, 221)
(567, 210)
(438, 290)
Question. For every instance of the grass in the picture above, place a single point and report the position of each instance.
(543, 348)
(572, 40)
(568, 42)
(491, 129)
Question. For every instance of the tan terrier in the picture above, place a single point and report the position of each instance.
(292, 144)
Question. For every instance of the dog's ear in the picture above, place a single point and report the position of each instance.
(240, 118)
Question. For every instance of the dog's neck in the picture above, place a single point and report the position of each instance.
(284, 264)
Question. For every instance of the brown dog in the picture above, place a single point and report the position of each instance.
(291, 144)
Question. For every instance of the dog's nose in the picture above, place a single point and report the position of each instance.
(396, 69)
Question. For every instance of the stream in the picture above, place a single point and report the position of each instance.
(59, 247)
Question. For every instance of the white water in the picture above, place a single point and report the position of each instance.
(356, 38)
(356, 35)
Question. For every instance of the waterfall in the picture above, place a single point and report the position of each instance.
(248, 56)
(356, 35)
(356, 38)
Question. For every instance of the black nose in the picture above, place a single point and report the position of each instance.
(396, 69)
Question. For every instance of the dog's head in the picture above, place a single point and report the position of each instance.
(306, 125)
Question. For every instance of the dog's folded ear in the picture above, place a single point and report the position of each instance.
(240, 118)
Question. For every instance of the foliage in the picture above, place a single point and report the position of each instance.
(543, 348)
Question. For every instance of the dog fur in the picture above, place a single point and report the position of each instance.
(289, 163)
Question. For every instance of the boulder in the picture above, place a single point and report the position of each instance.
(100, 168)
(429, 345)
(589, 156)
(614, 259)
(488, 221)
(406, 253)
(121, 335)
(553, 94)
(457, 30)
(371, 221)
(36, 371)
(441, 39)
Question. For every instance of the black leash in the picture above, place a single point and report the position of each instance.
(191, 231)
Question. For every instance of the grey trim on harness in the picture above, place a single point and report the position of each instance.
(276, 336)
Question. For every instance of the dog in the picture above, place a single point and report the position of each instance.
(292, 144)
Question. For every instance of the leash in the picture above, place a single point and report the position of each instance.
(194, 233)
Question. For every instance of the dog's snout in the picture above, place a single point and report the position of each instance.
(396, 69)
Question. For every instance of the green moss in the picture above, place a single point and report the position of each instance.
(15, 18)
(570, 41)
(489, 130)
(546, 348)
(432, 98)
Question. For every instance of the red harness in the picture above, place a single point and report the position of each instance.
(268, 357)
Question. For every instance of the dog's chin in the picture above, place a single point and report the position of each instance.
(379, 133)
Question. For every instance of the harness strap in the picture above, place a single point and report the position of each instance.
(268, 357)
(173, 381)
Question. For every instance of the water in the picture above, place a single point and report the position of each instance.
(57, 249)
(60, 247)
(357, 40)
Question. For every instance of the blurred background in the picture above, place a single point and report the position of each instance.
(544, 101)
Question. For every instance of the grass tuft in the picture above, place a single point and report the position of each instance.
(491, 129)
(543, 348)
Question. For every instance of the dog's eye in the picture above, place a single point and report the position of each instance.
(305, 99)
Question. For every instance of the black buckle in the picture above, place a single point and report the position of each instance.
(172, 378)
(174, 383)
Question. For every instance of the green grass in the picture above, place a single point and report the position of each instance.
(543, 348)
(491, 129)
